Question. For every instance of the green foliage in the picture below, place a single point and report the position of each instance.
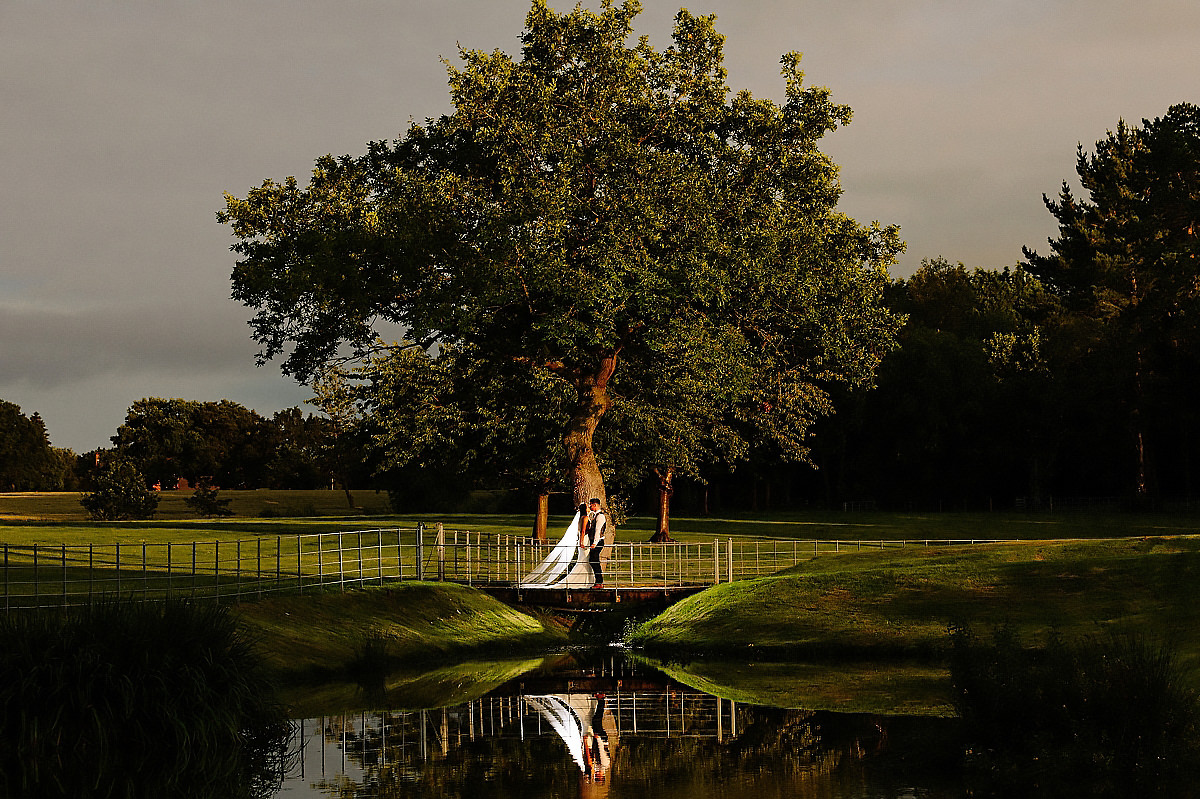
(221, 441)
(120, 493)
(204, 500)
(27, 461)
(1101, 717)
(1125, 263)
(134, 700)
(590, 205)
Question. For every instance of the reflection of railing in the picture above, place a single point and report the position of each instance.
(41, 575)
(329, 744)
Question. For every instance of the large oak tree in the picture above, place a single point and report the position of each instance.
(591, 204)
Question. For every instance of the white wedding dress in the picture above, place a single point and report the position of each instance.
(566, 566)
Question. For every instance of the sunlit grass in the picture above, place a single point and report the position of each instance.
(320, 635)
(57, 518)
(897, 603)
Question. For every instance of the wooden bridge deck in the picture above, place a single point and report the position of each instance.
(591, 599)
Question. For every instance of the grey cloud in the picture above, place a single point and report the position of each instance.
(50, 348)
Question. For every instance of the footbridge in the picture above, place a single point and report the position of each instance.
(62, 575)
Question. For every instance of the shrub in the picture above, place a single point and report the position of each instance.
(121, 493)
(205, 502)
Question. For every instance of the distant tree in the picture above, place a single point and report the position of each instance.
(224, 442)
(27, 461)
(302, 445)
(205, 500)
(579, 206)
(968, 408)
(1127, 262)
(121, 493)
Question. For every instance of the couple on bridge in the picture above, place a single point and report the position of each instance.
(575, 562)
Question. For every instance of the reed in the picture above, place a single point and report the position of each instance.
(130, 699)
(1101, 716)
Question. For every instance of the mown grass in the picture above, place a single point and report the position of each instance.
(901, 603)
(57, 518)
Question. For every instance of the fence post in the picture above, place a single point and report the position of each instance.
(729, 559)
(468, 557)
(341, 566)
(91, 572)
(299, 565)
(420, 550)
(320, 560)
(716, 561)
(118, 554)
(380, 561)
(441, 552)
(64, 575)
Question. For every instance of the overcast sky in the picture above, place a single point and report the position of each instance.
(122, 123)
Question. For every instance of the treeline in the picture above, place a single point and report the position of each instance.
(176, 442)
(27, 461)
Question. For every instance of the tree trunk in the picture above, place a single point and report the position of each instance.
(586, 480)
(542, 519)
(662, 531)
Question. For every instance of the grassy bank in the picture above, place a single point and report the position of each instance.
(900, 603)
(330, 635)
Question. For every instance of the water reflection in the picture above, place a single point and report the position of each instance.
(614, 729)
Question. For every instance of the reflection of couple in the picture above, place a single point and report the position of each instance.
(575, 560)
(586, 725)
(596, 755)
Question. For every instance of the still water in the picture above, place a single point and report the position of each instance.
(601, 725)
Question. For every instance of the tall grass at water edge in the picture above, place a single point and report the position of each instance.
(136, 699)
(1104, 716)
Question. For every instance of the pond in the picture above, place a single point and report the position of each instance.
(605, 725)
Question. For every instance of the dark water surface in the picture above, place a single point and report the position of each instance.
(603, 726)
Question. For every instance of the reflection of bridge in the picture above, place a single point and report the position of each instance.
(355, 744)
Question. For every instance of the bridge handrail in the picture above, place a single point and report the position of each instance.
(65, 575)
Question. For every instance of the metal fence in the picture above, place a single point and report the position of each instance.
(42, 575)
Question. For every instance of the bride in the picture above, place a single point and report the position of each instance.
(567, 564)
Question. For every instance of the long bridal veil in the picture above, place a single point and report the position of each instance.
(566, 566)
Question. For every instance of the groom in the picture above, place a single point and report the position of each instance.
(597, 526)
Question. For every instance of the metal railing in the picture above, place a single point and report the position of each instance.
(63, 575)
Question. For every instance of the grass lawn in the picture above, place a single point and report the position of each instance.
(57, 518)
